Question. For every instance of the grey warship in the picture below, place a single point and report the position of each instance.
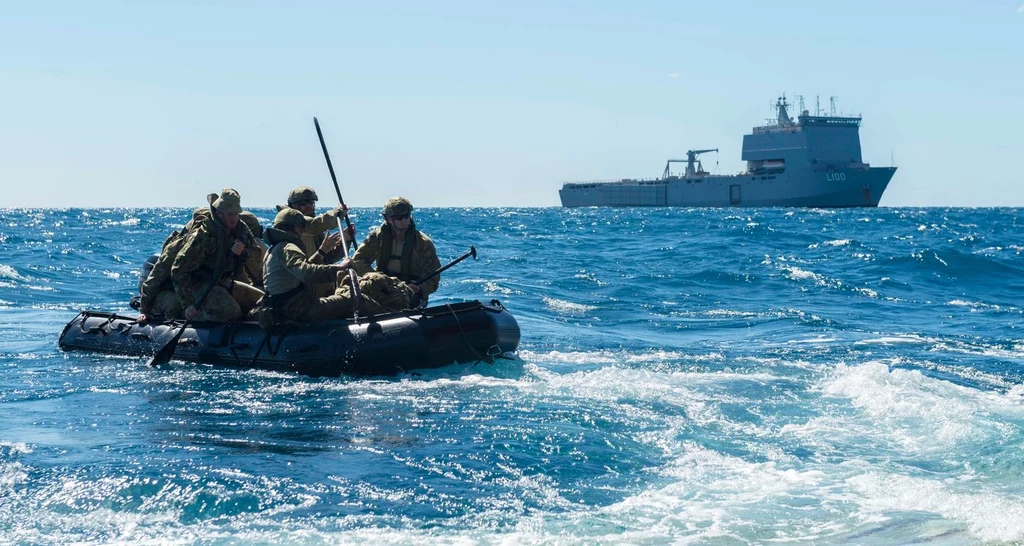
(814, 161)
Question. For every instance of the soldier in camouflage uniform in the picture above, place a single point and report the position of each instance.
(289, 275)
(401, 252)
(319, 246)
(216, 247)
(156, 293)
(254, 257)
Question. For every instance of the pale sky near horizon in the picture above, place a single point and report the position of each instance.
(489, 103)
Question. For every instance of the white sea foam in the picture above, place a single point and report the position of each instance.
(973, 305)
(8, 272)
(495, 288)
(125, 222)
(920, 413)
(567, 307)
(797, 274)
(988, 515)
(616, 357)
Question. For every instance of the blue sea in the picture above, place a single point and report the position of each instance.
(707, 376)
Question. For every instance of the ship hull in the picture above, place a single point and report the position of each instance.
(855, 187)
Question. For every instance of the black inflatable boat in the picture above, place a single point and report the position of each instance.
(380, 345)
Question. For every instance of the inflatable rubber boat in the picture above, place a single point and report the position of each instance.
(378, 345)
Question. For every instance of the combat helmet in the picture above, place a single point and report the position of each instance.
(289, 218)
(397, 206)
(301, 193)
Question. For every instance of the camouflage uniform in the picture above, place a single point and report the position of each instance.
(314, 234)
(157, 292)
(290, 278)
(196, 263)
(380, 293)
(253, 266)
(409, 259)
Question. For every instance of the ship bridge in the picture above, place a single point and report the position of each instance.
(825, 141)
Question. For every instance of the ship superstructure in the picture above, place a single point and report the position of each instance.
(814, 161)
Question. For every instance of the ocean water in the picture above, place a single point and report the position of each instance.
(712, 376)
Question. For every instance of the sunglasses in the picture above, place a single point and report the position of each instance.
(305, 203)
(400, 216)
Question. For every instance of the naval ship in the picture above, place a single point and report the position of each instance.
(814, 161)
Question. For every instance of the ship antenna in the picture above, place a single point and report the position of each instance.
(832, 104)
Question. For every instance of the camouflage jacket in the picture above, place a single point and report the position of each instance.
(253, 267)
(315, 233)
(159, 277)
(196, 261)
(410, 259)
(286, 267)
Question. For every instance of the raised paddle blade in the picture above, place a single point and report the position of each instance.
(163, 356)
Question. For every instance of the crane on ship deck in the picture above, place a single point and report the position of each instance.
(693, 166)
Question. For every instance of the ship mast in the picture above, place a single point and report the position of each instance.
(784, 119)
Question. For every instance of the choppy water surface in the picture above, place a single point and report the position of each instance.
(704, 375)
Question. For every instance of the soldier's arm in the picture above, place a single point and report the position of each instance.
(296, 263)
(189, 258)
(334, 255)
(363, 259)
(252, 252)
(427, 263)
(325, 222)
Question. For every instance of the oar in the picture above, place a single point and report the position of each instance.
(415, 300)
(472, 252)
(348, 223)
(163, 356)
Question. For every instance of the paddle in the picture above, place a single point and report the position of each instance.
(415, 301)
(472, 252)
(348, 223)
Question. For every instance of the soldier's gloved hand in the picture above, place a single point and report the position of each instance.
(142, 319)
(237, 248)
(191, 313)
(350, 233)
(330, 243)
(344, 264)
(412, 288)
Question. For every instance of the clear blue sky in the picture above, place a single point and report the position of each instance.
(489, 103)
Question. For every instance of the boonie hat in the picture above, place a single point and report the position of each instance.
(302, 193)
(397, 206)
(228, 202)
(289, 218)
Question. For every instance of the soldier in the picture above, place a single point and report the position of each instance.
(289, 275)
(157, 296)
(400, 251)
(214, 252)
(318, 246)
(254, 257)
